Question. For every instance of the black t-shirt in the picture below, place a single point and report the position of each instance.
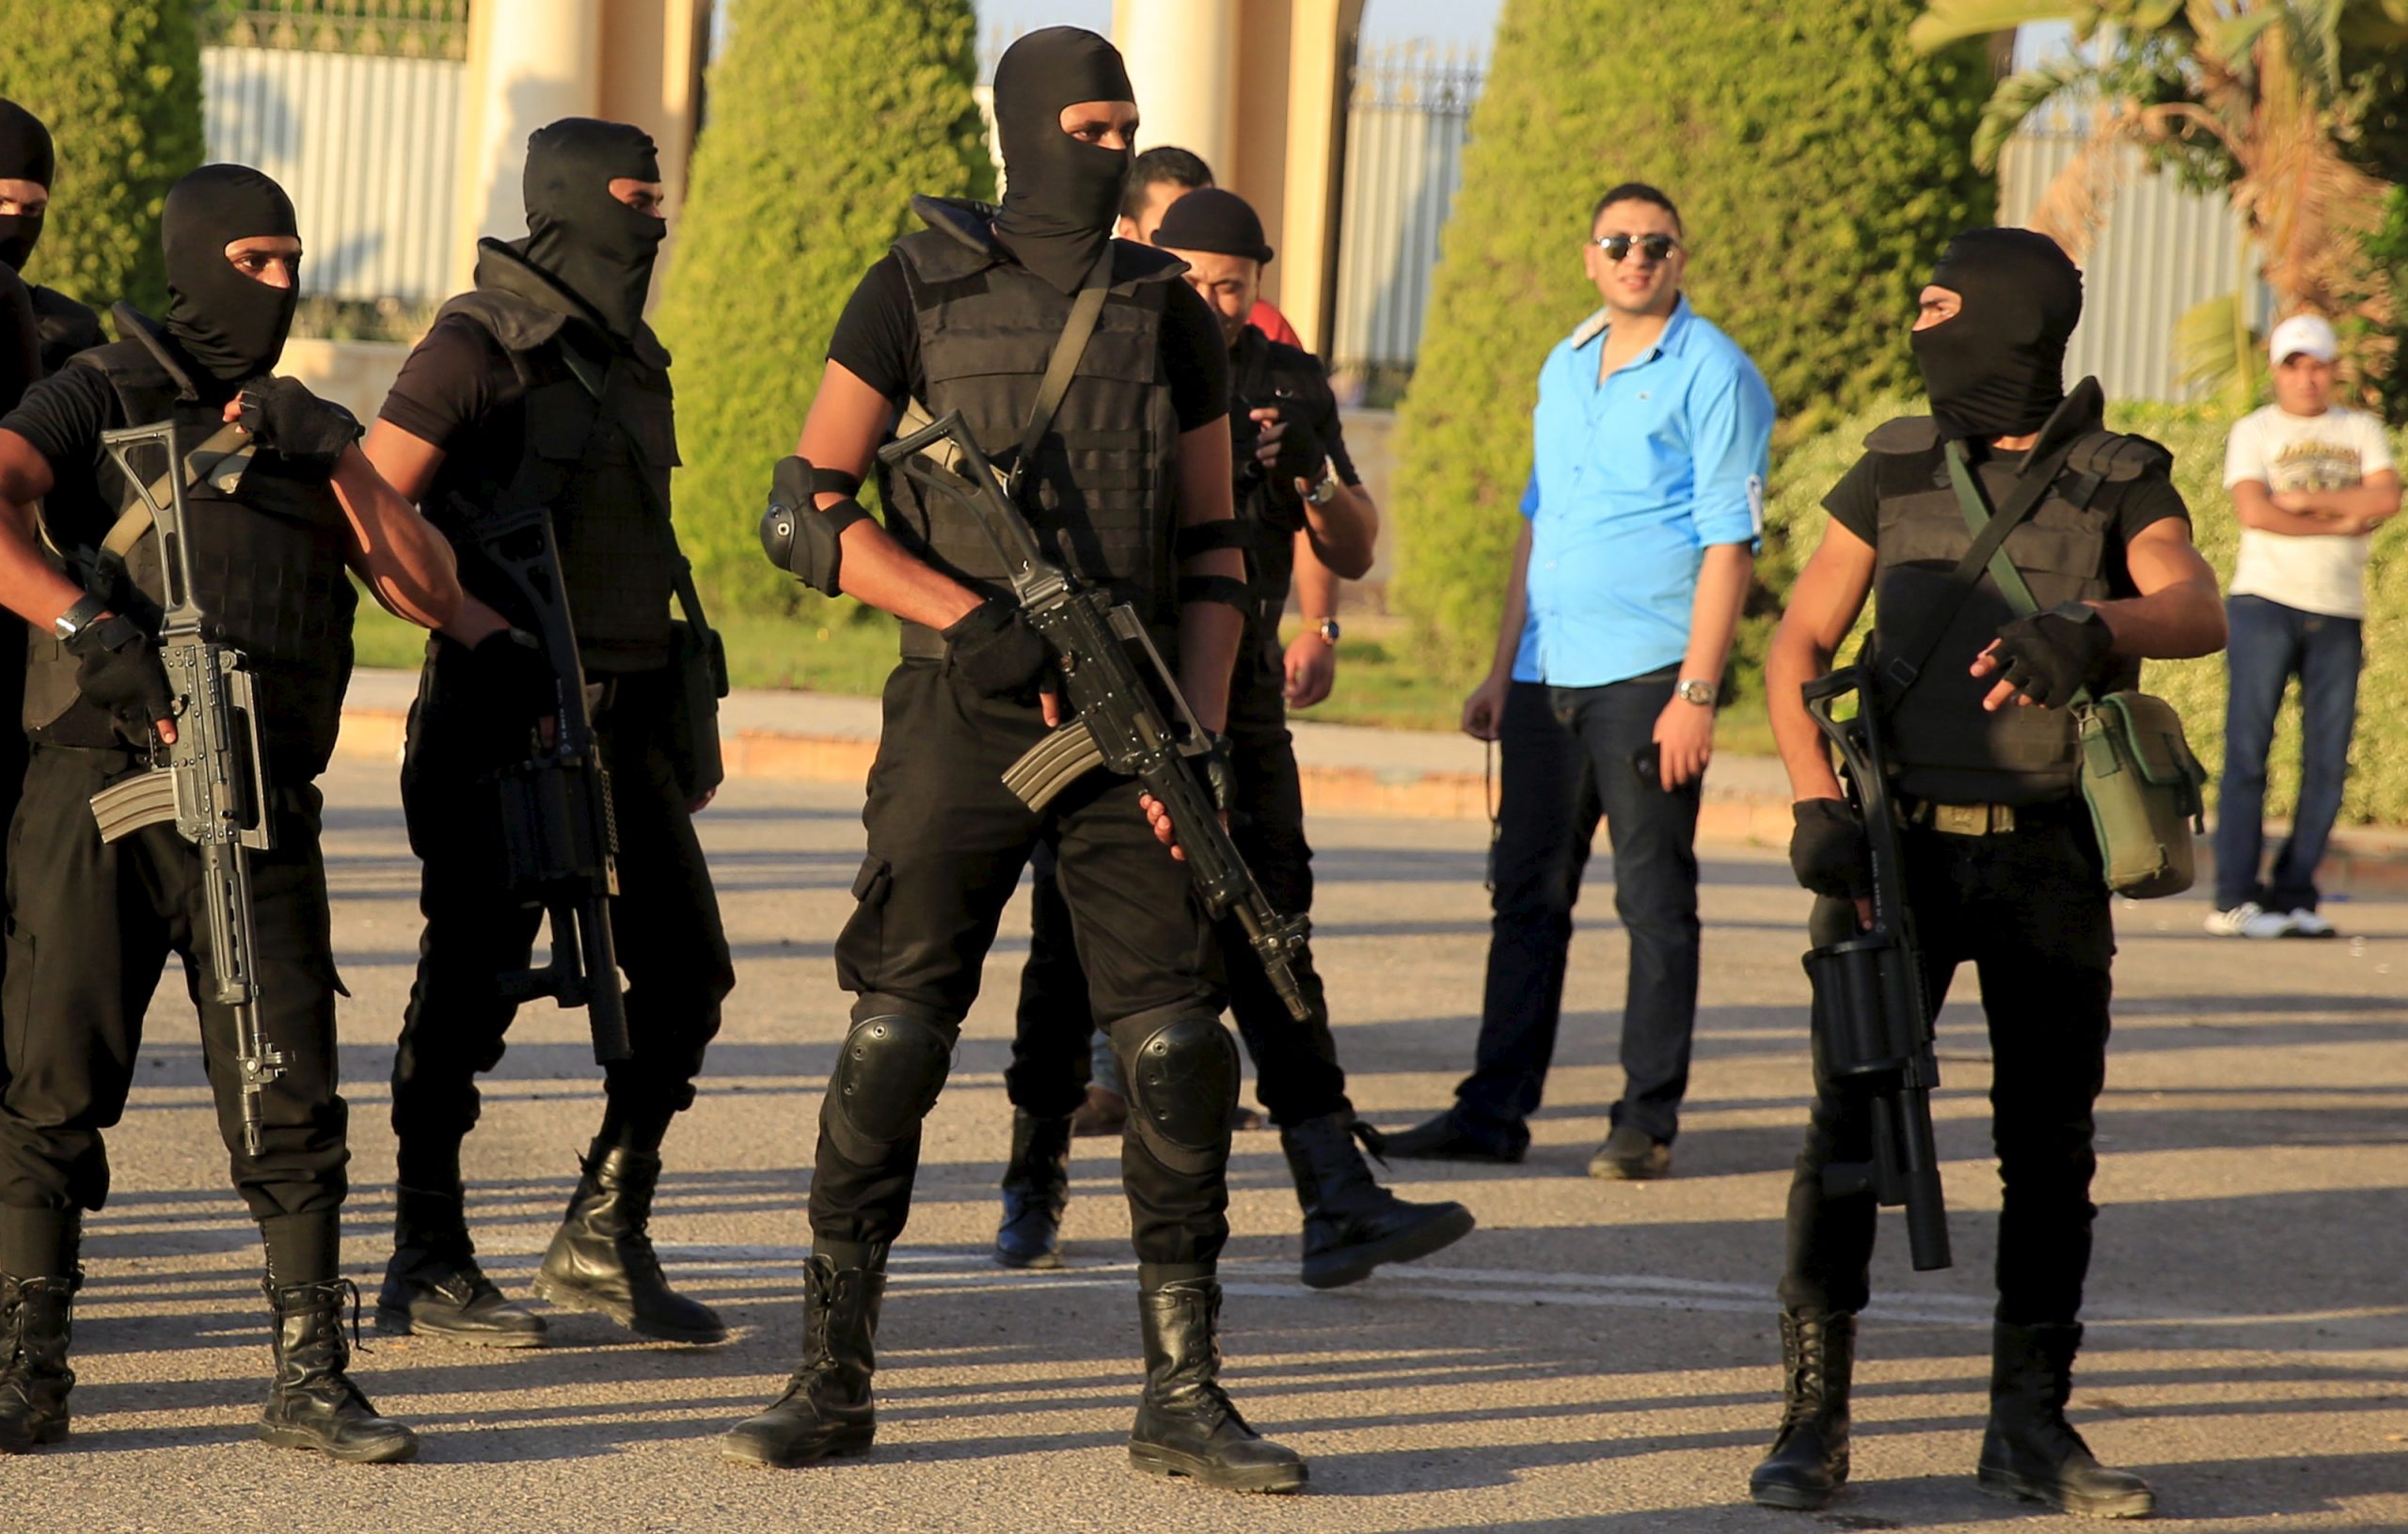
(1265, 373)
(878, 340)
(459, 392)
(1855, 504)
(63, 417)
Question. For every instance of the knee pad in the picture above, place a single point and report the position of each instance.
(888, 1075)
(1184, 1089)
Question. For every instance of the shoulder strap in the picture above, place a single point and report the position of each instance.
(1901, 671)
(219, 462)
(1084, 311)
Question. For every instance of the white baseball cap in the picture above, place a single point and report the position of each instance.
(2309, 333)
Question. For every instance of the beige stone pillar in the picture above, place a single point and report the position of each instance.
(530, 61)
(1183, 58)
(1320, 58)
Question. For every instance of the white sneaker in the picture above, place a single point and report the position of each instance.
(2271, 924)
(2306, 924)
(2234, 922)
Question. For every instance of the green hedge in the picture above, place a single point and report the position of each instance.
(2378, 786)
(1820, 165)
(824, 117)
(118, 82)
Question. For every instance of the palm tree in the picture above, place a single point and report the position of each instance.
(2263, 99)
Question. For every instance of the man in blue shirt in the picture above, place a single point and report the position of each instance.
(1646, 498)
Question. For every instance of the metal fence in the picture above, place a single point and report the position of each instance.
(1407, 116)
(368, 146)
(2160, 250)
(401, 28)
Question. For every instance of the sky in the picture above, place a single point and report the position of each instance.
(1384, 21)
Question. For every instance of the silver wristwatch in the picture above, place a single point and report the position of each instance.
(1694, 692)
(1325, 492)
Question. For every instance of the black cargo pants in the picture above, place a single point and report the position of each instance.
(947, 842)
(665, 919)
(2028, 908)
(91, 929)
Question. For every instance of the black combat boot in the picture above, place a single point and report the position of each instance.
(1808, 1464)
(1186, 1425)
(1037, 1187)
(311, 1403)
(1351, 1223)
(825, 1410)
(2031, 1452)
(602, 1259)
(433, 1288)
(37, 1325)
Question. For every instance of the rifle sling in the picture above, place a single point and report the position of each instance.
(219, 461)
(1084, 311)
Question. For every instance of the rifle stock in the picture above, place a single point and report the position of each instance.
(1131, 722)
(1871, 1014)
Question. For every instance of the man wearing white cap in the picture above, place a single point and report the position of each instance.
(2309, 482)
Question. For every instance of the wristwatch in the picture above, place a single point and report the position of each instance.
(1694, 692)
(1327, 628)
(1325, 492)
(80, 615)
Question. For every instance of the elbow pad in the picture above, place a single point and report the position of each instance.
(802, 538)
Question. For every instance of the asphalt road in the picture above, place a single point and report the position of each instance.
(1596, 1356)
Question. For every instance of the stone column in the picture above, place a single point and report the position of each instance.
(530, 62)
(1183, 60)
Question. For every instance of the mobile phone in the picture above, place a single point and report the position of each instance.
(1647, 762)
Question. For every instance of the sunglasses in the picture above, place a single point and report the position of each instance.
(1617, 247)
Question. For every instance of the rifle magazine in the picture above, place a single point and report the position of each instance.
(1062, 758)
(125, 807)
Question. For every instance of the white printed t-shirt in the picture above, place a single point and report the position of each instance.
(2319, 573)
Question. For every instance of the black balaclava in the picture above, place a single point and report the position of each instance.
(24, 156)
(231, 324)
(1060, 195)
(1996, 367)
(594, 245)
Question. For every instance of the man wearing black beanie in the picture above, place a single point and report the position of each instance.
(1127, 482)
(2003, 869)
(28, 168)
(1302, 513)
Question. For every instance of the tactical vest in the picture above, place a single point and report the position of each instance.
(601, 465)
(1101, 494)
(1943, 745)
(269, 570)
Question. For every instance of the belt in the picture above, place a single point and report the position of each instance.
(921, 643)
(1987, 819)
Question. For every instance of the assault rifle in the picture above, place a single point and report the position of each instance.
(1122, 716)
(1871, 1013)
(559, 840)
(214, 785)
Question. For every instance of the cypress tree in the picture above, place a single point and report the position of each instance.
(824, 118)
(118, 82)
(1819, 166)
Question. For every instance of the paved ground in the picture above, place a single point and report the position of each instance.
(1596, 1357)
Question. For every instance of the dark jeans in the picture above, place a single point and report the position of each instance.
(947, 842)
(2029, 910)
(665, 921)
(92, 929)
(1296, 1072)
(2269, 644)
(1565, 760)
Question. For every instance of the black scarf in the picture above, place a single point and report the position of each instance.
(231, 325)
(594, 245)
(1996, 367)
(24, 156)
(1060, 195)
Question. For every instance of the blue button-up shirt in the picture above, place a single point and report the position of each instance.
(1632, 478)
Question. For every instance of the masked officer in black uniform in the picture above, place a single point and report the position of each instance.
(93, 921)
(965, 315)
(545, 384)
(2003, 869)
(27, 166)
(1298, 502)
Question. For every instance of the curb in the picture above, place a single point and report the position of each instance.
(2365, 865)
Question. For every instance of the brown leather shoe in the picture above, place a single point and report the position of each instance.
(1103, 1113)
